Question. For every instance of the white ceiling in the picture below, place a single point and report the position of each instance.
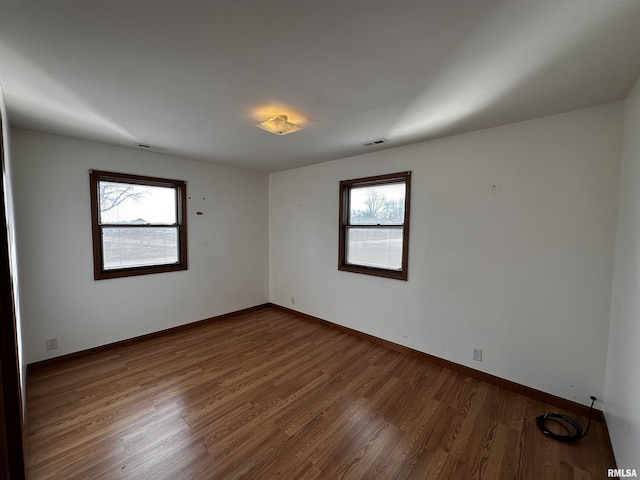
(190, 76)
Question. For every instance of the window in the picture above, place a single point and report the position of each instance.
(139, 225)
(374, 225)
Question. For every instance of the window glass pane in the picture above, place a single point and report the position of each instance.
(378, 204)
(134, 247)
(124, 203)
(375, 247)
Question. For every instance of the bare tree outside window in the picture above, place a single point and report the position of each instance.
(113, 194)
(394, 210)
(379, 209)
(374, 202)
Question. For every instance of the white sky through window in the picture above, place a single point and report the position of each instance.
(391, 191)
(141, 204)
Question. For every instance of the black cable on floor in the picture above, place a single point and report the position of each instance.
(568, 424)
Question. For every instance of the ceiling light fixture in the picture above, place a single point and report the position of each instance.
(279, 125)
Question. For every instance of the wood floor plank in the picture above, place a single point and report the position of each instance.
(270, 395)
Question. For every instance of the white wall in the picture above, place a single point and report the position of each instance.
(523, 273)
(622, 386)
(228, 253)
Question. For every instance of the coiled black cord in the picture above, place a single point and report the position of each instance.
(564, 421)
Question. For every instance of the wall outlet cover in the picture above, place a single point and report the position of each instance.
(51, 343)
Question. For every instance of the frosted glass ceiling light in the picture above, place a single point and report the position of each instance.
(279, 124)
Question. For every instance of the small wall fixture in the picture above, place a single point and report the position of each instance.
(279, 125)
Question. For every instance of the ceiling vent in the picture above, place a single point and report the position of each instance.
(378, 141)
(146, 146)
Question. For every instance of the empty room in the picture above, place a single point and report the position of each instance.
(320, 240)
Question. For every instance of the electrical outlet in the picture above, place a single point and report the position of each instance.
(293, 300)
(51, 343)
(477, 354)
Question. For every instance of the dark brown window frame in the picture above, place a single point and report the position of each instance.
(345, 192)
(99, 273)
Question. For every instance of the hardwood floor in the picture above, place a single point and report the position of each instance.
(268, 395)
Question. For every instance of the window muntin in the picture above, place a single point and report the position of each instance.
(139, 224)
(374, 225)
